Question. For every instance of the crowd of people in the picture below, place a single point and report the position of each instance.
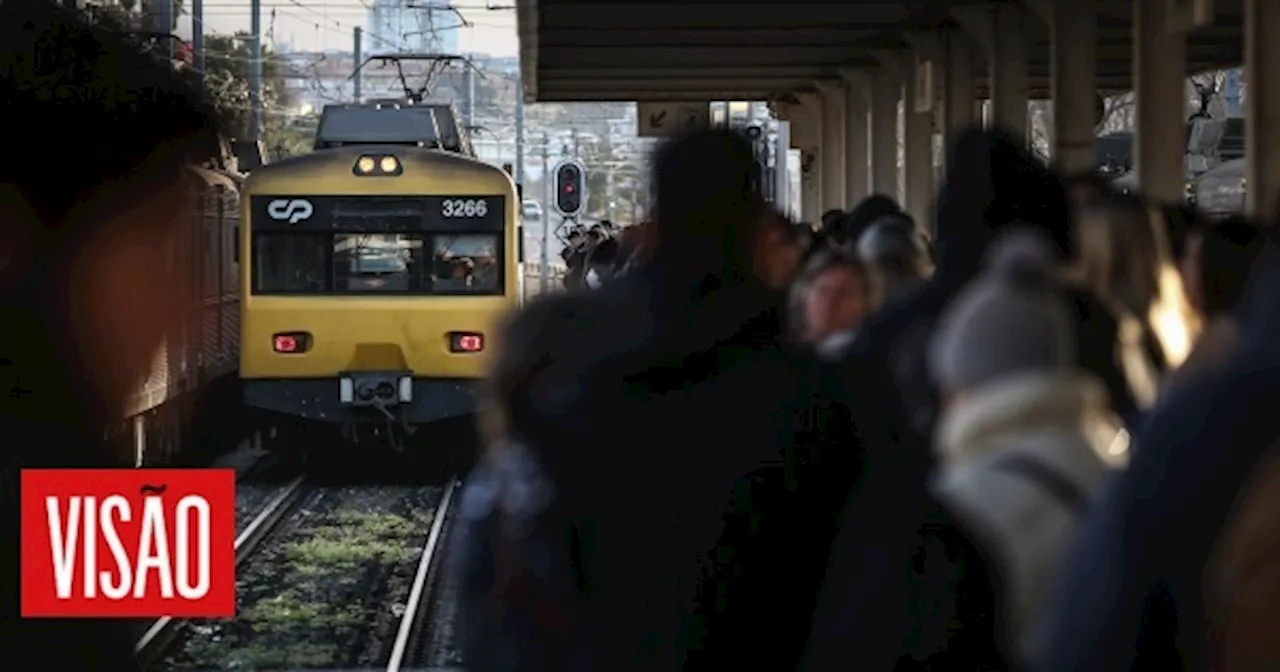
(1032, 433)
(601, 252)
(1035, 432)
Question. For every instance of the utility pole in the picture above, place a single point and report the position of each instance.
(165, 19)
(359, 58)
(519, 131)
(470, 84)
(255, 71)
(197, 40)
(546, 212)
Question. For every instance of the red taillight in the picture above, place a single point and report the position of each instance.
(291, 343)
(286, 344)
(465, 342)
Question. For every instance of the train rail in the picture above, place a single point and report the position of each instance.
(415, 624)
(160, 634)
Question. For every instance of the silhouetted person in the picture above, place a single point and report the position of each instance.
(676, 376)
(897, 254)
(868, 211)
(1176, 571)
(93, 183)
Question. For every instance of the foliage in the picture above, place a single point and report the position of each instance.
(134, 16)
(227, 61)
(227, 71)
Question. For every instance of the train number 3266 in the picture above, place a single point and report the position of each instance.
(463, 207)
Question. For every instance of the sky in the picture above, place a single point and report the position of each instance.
(315, 25)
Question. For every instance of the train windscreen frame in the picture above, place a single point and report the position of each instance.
(378, 246)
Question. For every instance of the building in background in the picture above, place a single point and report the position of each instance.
(412, 25)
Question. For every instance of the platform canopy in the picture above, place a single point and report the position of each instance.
(606, 51)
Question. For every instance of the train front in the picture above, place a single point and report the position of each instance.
(375, 277)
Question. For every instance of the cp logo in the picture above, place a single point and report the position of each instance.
(294, 211)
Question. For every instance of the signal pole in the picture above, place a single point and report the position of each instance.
(197, 40)
(165, 19)
(255, 71)
(519, 131)
(546, 212)
(359, 59)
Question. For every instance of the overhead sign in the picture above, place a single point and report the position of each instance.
(655, 120)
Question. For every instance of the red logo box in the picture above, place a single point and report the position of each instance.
(128, 543)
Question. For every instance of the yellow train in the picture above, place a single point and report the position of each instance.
(377, 268)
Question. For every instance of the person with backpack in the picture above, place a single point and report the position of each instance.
(1026, 437)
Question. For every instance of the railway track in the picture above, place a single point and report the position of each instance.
(158, 637)
(414, 637)
(339, 577)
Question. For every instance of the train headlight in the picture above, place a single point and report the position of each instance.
(378, 165)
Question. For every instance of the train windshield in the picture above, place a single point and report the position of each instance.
(377, 263)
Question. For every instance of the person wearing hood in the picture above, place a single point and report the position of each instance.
(686, 440)
(889, 519)
(828, 301)
(1026, 439)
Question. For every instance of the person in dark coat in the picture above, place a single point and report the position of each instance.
(871, 209)
(1177, 543)
(897, 254)
(918, 555)
(686, 441)
(88, 200)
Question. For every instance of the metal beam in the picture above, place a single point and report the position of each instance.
(695, 72)
(623, 95)
(629, 37)
(719, 16)
(673, 84)
(763, 56)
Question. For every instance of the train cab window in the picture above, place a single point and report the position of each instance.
(377, 262)
(420, 263)
(466, 263)
(290, 264)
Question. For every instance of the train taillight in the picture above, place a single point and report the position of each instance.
(466, 342)
(291, 343)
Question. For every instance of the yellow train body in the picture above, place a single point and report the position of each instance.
(352, 279)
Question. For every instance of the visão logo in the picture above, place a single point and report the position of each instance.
(128, 543)
(294, 211)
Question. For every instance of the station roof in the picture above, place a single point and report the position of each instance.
(698, 51)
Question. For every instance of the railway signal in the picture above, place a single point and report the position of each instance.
(570, 185)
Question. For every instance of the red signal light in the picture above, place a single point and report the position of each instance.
(466, 342)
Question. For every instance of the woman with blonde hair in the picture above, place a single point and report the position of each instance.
(1125, 259)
